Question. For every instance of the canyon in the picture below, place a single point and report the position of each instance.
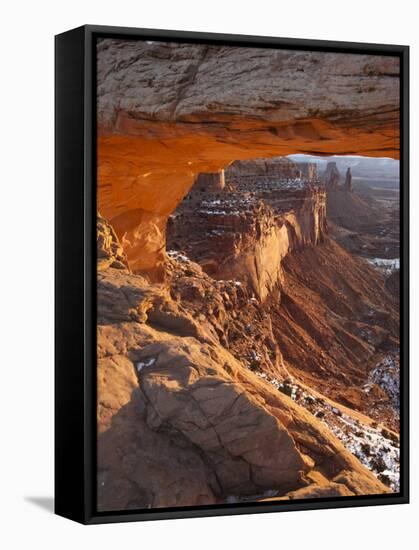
(247, 343)
(266, 230)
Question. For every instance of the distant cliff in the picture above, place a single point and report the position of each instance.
(245, 230)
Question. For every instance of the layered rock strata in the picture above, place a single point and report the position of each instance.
(266, 210)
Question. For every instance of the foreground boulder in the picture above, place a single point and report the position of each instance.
(182, 422)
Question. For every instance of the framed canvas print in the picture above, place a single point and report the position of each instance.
(231, 274)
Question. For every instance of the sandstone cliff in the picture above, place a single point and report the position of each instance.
(246, 228)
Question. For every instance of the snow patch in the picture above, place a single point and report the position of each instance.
(148, 363)
(386, 374)
(176, 255)
(374, 446)
(384, 265)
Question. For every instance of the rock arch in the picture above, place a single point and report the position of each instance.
(168, 111)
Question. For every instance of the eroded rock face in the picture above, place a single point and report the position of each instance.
(109, 250)
(182, 422)
(328, 322)
(193, 389)
(169, 111)
(334, 323)
(246, 229)
(137, 466)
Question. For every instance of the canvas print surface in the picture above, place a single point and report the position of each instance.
(247, 274)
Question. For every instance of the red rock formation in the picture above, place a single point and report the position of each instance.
(210, 183)
(181, 422)
(334, 323)
(251, 235)
(277, 167)
(164, 116)
(109, 251)
(308, 170)
(266, 211)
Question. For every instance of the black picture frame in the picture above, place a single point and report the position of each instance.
(75, 274)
